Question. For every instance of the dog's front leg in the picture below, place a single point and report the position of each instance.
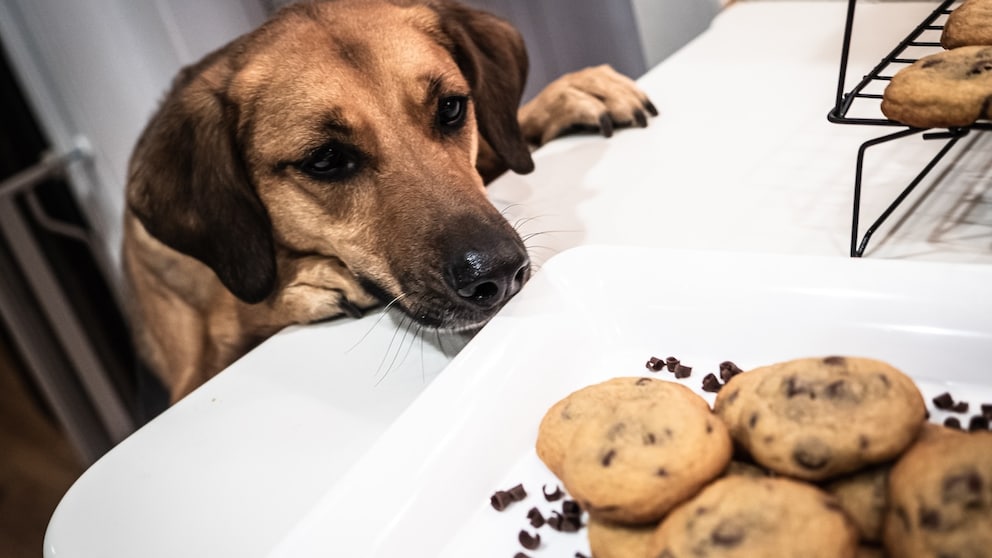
(597, 99)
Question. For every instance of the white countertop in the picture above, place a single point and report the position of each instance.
(741, 158)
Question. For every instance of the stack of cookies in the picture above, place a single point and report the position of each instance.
(828, 457)
(952, 88)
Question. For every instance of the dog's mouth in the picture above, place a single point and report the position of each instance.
(462, 298)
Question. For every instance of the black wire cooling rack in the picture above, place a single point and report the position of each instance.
(861, 105)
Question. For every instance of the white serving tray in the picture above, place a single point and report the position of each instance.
(596, 312)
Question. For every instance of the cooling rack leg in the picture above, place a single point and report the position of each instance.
(857, 250)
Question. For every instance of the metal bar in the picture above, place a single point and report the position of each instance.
(858, 173)
(908, 190)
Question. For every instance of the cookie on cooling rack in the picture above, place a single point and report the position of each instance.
(968, 25)
(945, 90)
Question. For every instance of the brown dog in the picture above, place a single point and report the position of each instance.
(332, 161)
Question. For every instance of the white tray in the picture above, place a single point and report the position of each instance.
(596, 312)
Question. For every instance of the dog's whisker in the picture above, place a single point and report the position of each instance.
(382, 314)
(383, 369)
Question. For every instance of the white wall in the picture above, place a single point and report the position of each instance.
(97, 68)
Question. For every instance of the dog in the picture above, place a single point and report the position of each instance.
(333, 161)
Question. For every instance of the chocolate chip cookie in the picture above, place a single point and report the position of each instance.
(646, 456)
(817, 418)
(749, 517)
(564, 417)
(944, 90)
(615, 540)
(969, 24)
(940, 495)
(864, 496)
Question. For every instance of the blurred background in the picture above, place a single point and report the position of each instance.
(78, 81)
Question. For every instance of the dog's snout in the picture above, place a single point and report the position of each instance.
(487, 280)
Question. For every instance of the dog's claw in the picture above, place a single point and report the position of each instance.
(605, 125)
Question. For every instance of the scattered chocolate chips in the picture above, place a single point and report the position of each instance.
(711, 383)
(987, 410)
(535, 518)
(518, 493)
(682, 371)
(943, 401)
(520, 555)
(977, 423)
(503, 498)
(553, 496)
(960, 407)
(580, 555)
(728, 370)
(528, 541)
(952, 422)
(655, 364)
(671, 363)
(571, 508)
(564, 523)
(500, 500)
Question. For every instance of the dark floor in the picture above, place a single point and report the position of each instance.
(37, 465)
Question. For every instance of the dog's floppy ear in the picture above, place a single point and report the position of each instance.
(492, 56)
(189, 187)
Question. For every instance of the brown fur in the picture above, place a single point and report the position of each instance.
(229, 237)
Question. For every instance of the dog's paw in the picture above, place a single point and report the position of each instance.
(597, 99)
(318, 289)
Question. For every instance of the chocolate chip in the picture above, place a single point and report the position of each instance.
(795, 387)
(649, 439)
(615, 430)
(960, 407)
(500, 500)
(965, 488)
(728, 370)
(535, 517)
(837, 390)
(943, 401)
(571, 508)
(564, 523)
(834, 360)
(518, 493)
(643, 381)
(671, 363)
(661, 472)
(520, 555)
(812, 454)
(711, 383)
(580, 555)
(608, 458)
(728, 533)
(528, 541)
(655, 363)
(553, 496)
(987, 410)
(752, 421)
(682, 371)
(952, 422)
(977, 423)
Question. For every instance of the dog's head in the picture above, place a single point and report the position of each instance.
(346, 129)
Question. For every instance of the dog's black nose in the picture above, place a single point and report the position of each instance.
(487, 279)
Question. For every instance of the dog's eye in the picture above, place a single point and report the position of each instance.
(330, 162)
(451, 112)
